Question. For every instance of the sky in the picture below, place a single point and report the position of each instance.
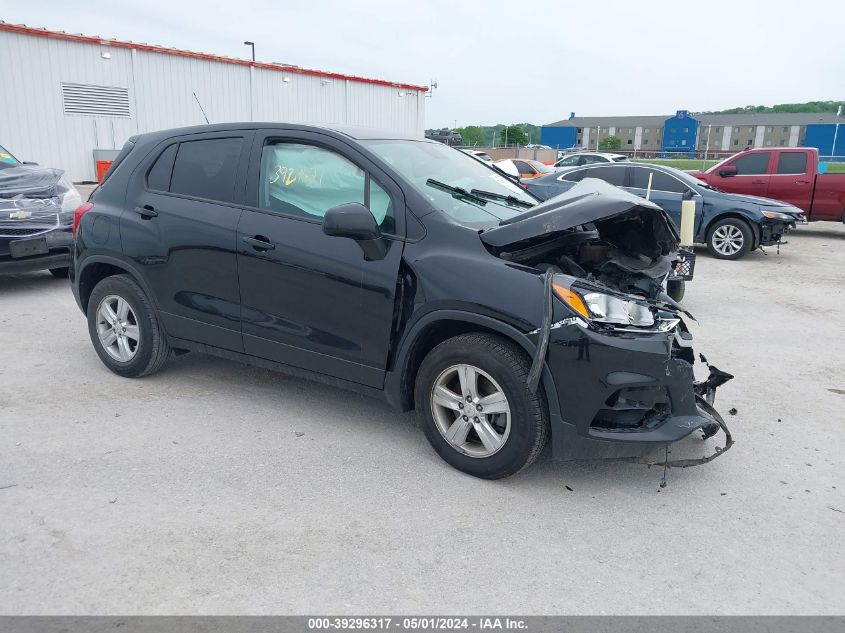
(507, 62)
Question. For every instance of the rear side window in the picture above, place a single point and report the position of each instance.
(610, 174)
(523, 168)
(752, 164)
(206, 168)
(158, 177)
(660, 181)
(792, 163)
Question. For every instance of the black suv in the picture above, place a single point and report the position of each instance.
(403, 269)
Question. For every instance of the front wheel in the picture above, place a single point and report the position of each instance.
(729, 238)
(124, 329)
(477, 410)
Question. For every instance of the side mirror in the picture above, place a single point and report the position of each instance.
(687, 195)
(727, 170)
(355, 221)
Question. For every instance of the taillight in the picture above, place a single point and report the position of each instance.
(77, 215)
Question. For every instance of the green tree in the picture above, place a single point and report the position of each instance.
(511, 135)
(472, 135)
(610, 143)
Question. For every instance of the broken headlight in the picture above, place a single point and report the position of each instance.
(775, 215)
(604, 308)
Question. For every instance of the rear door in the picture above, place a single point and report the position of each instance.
(790, 182)
(310, 300)
(667, 192)
(183, 207)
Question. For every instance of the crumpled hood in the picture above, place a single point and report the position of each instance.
(620, 217)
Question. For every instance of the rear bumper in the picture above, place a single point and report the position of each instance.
(59, 243)
(622, 394)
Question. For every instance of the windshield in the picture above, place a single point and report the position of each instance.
(421, 161)
(6, 159)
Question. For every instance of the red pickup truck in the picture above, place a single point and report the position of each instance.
(788, 174)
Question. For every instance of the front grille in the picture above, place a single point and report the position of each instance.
(16, 232)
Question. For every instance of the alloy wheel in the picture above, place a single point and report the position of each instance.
(728, 239)
(471, 410)
(117, 328)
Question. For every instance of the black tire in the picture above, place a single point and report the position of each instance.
(508, 365)
(152, 349)
(676, 288)
(730, 224)
(59, 273)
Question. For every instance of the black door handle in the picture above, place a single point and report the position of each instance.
(146, 212)
(259, 243)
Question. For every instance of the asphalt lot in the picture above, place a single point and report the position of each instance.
(217, 488)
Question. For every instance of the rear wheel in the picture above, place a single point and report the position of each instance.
(477, 410)
(729, 238)
(124, 329)
(59, 273)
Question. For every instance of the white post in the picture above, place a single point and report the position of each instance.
(833, 148)
(648, 189)
(706, 147)
(687, 221)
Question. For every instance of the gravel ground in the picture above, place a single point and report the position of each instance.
(216, 488)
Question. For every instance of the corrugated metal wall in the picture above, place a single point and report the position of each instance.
(33, 125)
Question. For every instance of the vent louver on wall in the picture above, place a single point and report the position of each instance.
(95, 100)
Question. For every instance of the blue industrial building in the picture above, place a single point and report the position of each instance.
(686, 134)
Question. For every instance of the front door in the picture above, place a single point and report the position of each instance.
(307, 299)
(179, 229)
(752, 175)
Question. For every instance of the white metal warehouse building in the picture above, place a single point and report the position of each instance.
(66, 95)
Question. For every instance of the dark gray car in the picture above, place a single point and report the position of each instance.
(729, 224)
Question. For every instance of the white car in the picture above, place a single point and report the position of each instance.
(484, 157)
(577, 159)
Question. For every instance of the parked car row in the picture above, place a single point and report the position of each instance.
(730, 225)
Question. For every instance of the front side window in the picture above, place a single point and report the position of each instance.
(307, 181)
(792, 163)
(752, 164)
(206, 168)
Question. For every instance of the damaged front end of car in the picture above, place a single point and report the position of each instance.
(617, 346)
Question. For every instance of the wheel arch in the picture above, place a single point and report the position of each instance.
(96, 268)
(436, 327)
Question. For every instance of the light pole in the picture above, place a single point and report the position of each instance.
(252, 46)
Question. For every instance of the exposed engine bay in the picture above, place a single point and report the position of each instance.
(594, 232)
(614, 252)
